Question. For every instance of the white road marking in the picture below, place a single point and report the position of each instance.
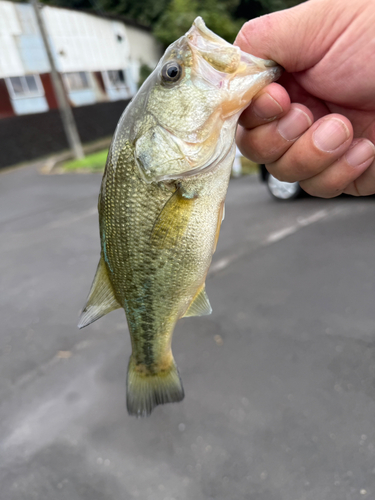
(281, 234)
(301, 222)
(12, 241)
(69, 220)
(276, 236)
(221, 264)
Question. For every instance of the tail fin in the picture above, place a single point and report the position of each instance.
(146, 390)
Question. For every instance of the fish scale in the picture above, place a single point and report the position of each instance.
(149, 283)
(162, 201)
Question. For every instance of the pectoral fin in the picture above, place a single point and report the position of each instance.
(200, 305)
(220, 219)
(172, 222)
(101, 299)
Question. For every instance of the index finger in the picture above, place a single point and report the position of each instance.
(269, 104)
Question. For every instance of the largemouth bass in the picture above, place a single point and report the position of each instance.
(162, 201)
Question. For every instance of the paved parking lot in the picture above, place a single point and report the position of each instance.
(279, 380)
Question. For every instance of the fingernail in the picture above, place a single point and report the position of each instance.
(330, 135)
(293, 124)
(360, 152)
(266, 107)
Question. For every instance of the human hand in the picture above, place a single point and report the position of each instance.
(325, 139)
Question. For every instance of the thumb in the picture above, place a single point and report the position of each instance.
(296, 38)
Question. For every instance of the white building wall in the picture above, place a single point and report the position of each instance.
(10, 60)
(144, 49)
(84, 42)
(9, 24)
(80, 42)
(30, 43)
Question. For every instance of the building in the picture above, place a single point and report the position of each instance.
(99, 58)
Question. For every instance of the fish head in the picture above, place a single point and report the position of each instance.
(192, 102)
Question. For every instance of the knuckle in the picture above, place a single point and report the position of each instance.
(290, 169)
(263, 151)
(297, 165)
(326, 188)
(281, 174)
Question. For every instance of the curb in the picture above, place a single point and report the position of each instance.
(53, 164)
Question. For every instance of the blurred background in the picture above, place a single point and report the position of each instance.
(101, 50)
(279, 380)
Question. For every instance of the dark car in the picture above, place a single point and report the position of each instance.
(280, 190)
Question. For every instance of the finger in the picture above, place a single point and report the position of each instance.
(270, 103)
(364, 184)
(296, 38)
(317, 149)
(268, 142)
(340, 177)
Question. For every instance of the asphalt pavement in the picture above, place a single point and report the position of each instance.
(279, 380)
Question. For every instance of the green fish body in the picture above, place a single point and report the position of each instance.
(162, 203)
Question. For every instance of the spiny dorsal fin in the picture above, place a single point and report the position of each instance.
(171, 224)
(101, 299)
(200, 305)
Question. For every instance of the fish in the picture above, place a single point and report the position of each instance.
(161, 202)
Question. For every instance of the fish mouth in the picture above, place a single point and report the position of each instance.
(219, 53)
(226, 67)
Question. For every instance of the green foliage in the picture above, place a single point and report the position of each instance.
(273, 5)
(180, 14)
(91, 163)
(146, 12)
(70, 4)
(248, 9)
(170, 19)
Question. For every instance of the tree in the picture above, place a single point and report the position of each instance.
(272, 5)
(70, 4)
(170, 19)
(180, 14)
(146, 12)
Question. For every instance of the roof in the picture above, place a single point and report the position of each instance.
(100, 13)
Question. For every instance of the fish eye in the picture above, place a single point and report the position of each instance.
(171, 72)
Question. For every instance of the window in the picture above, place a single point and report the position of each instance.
(115, 79)
(24, 86)
(76, 81)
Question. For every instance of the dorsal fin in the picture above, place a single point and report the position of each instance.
(200, 305)
(101, 299)
(171, 224)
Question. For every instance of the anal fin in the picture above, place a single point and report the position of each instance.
(101, 299)
(200, 305)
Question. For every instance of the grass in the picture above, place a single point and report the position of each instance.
(94, 162)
